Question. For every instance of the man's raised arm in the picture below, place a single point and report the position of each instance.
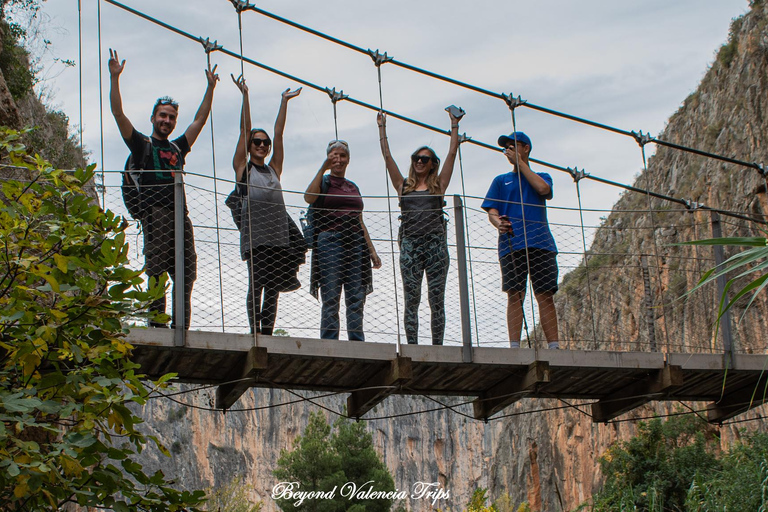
(201, 116)
(115, 100)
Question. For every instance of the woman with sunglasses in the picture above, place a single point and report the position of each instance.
(264, 234)
(344, 251)
(422, 235)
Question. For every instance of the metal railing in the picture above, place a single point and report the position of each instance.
(621, 279)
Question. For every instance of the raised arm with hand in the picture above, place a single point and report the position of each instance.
(315, 186)
(201, 116)
(115, 100)
(447, 171)
(277, 145)
(520, 161)
(394, 171)
(240, 160)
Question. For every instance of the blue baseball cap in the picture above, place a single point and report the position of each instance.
(505, 140)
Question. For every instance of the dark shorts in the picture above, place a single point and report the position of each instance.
(514, 270)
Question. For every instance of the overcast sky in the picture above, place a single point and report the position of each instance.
(627, 64)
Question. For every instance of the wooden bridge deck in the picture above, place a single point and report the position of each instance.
(497, 377)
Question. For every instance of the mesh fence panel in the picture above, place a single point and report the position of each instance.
(624, 293)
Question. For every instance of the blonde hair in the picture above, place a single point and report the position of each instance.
(433, 181)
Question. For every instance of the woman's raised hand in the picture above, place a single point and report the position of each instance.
(240, 83)
(288, 93)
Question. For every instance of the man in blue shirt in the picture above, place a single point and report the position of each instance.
(516, 206)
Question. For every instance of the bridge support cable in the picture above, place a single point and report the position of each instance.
(80, 73)
(426, 126)
(253, 301)
(643, 139)
(378, 60)
(101, 107)
(209, 47)
(577, 176)
(494, 94)
(513, 103)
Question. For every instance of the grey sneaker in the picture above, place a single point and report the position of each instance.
(553, 345)
(514, 344)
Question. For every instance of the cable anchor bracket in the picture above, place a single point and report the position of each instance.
(513, 102)
(761, 169)
(463, 137)
(209, 46)
(378, 58)
(577, 174)
(642, 138)
(242, 5)
(693, 205)
(336, 96)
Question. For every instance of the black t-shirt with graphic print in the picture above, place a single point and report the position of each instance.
(158, 186)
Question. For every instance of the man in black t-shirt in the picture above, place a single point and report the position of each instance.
(157, 196)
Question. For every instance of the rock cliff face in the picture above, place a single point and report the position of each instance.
(549, 458)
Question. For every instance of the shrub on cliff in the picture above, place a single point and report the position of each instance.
(66, 433)
(342, 464)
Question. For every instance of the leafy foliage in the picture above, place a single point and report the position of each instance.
(653, 470)
(232, 497)
(67, 434)
(740, 484)
(321, 461)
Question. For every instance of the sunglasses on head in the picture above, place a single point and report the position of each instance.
(338, 142)
(421, 159)
(261, 142)
(165, 100)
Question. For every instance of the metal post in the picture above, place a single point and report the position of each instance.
(725, 320)
(178, 278)
(461, 256)
(649, 313)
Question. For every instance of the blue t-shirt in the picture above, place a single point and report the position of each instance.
(505, 196)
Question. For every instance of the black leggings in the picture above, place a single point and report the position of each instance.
(263, 292)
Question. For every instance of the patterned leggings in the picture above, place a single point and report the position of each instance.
(419, 255)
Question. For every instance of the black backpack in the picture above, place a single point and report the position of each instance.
(132, 179)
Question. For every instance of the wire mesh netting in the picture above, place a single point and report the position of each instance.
(622, 281)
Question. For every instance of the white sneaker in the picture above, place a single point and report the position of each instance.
(514, 344)
(553, 345)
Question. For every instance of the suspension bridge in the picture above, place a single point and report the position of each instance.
(612, 366)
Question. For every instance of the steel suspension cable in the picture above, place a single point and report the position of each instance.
(577, 176)
(378, 60)
(525, 237)
(80, 68)
(209, 47)
(255, 300)
(101, 110)
(427, 126)
(655, 246)
(503, 96)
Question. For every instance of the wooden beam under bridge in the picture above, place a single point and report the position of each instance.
(361, 368)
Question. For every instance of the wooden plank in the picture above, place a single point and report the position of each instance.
(733, 404)
(510, 390)
(381, 385)
(242, 375)
(637, 394)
